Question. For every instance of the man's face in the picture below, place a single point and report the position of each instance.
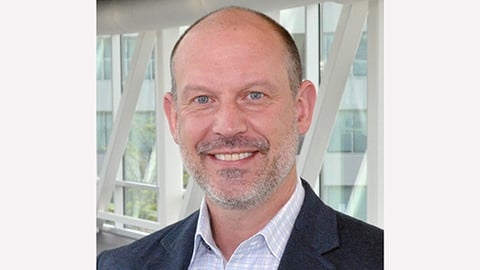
(235, 117)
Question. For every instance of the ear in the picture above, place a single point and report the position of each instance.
(305, 103)
(170, 109)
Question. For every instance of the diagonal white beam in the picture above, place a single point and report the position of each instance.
(123, 119)
(193, 197)
(344, 47)
(116, 98)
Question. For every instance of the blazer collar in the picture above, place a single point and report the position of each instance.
(177, 246)
(314, 233)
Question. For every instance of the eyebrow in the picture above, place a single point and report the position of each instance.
(191, 90)
(195, 87)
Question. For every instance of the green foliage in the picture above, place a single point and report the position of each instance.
(139, 149)
(141, 203)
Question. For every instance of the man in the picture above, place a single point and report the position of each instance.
(237, 108)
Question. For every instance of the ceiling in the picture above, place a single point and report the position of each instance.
(128, 16)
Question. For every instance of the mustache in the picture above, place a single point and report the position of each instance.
(238, 141)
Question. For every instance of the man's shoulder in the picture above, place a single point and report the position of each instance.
(146, 249)
(360, 244)
(345, 224)
(364, 233)
(342, 239)
(351, 225)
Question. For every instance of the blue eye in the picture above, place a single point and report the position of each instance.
(255, 95)
(202, 99)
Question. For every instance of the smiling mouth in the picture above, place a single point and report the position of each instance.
(233, 157)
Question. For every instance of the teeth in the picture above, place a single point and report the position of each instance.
(232, 157)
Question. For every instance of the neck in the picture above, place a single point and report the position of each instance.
(230, 227)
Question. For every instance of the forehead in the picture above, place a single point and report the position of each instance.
(232, 19)
(240, 25)
(230, 42)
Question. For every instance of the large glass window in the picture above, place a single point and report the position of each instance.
(104, 129)
(138, 165)
(104, 58)
(139, 159)
(350, 132)
(343, 176)
(128, 46)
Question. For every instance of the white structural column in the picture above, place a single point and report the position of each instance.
(375, 114)
(123, 119)
(342, 54)
(312, 46)
(312, 52)
(169, 163)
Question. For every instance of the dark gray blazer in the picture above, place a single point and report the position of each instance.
(322, 238)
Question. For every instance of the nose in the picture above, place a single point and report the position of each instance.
(229, 120)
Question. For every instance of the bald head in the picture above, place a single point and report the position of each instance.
(226, 22)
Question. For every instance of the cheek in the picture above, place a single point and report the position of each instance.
(289, 130)
(190, 131)
(274, 126)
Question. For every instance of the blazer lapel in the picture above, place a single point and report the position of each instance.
(177, 247)
(314, 234)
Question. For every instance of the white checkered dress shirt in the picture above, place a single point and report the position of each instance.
(261, 251)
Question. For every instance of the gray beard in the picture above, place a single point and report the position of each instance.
(267, 179)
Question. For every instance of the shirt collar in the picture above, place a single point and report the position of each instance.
(275, 233)
(203, 234)
(278, 229)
